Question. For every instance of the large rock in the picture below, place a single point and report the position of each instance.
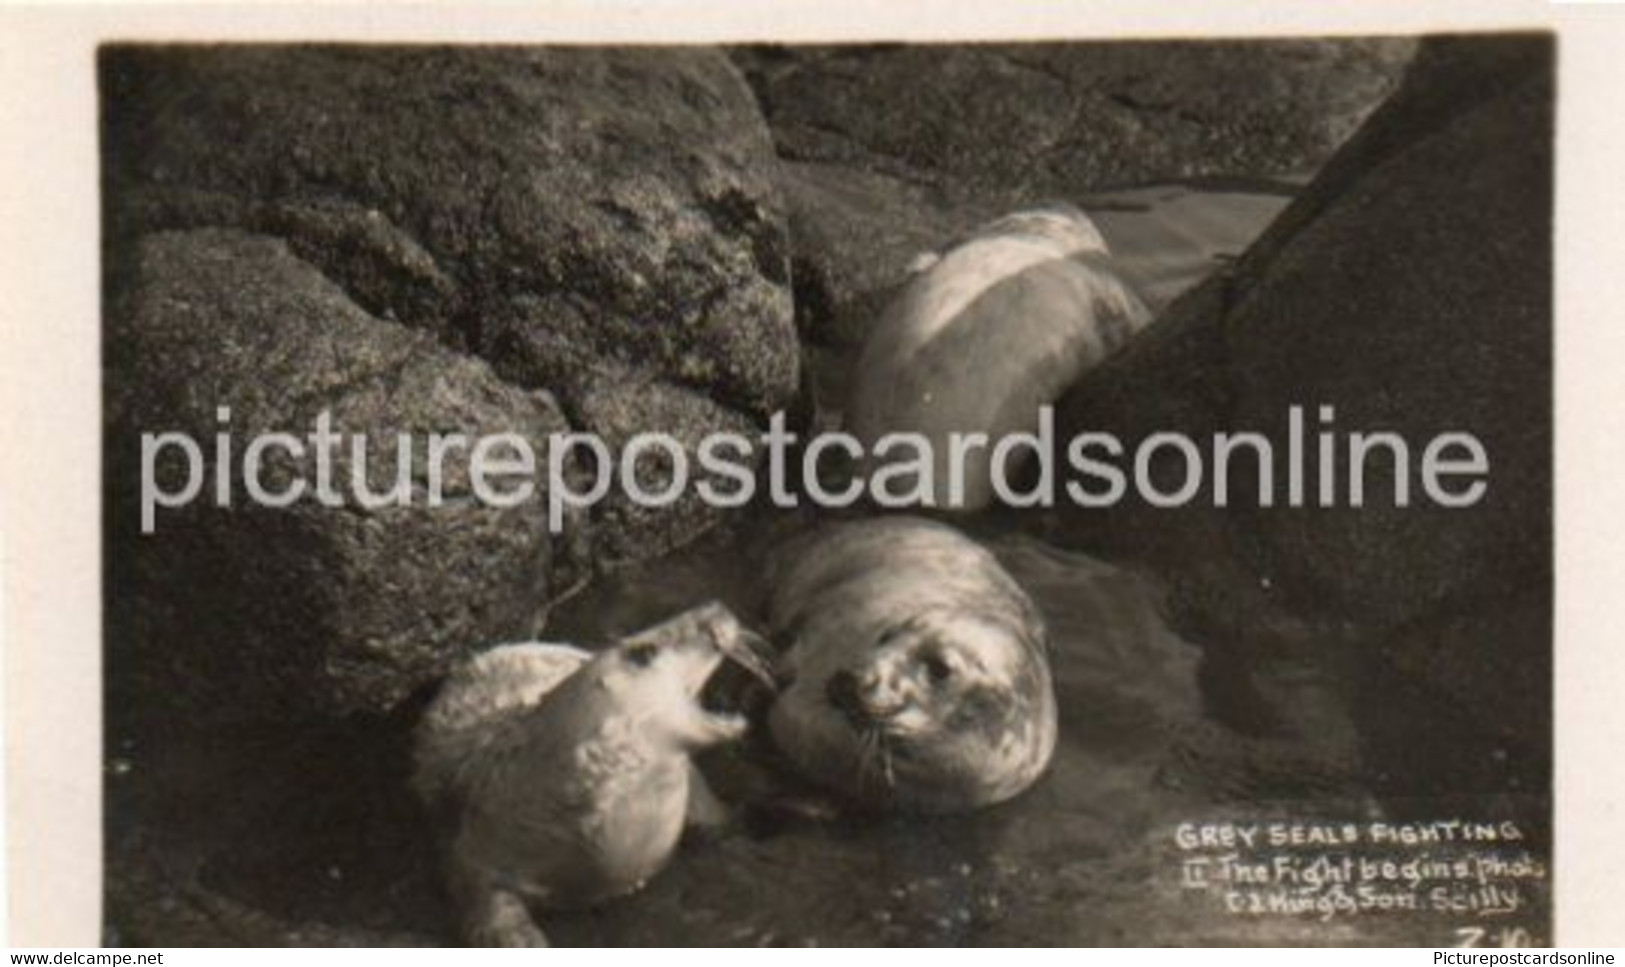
(1016, 121)
(559, 212)
(1438, 320)
(423, 239)
(619, 407)
(1409, 288)
(252, 611)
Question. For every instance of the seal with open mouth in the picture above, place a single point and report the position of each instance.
(563, 777)
(915, 675)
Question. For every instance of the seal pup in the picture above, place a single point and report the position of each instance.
(984, 335)
(914, 675)
(564, 777)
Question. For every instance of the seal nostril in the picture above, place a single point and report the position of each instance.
(842, 692)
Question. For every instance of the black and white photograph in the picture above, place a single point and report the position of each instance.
(1073, 491)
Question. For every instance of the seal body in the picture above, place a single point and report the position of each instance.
(915, 670)
(982, 337)
(563, 777)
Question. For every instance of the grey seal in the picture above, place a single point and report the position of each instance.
(562, 778)
(914, 669)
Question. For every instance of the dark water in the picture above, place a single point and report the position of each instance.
(1167, 238)
(1085, 857)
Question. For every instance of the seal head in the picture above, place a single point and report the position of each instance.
(564, 777)
(917, 676)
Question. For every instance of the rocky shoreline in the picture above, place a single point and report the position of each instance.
(688, 240)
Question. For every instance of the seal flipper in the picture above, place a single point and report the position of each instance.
(493, 916)
(504, 922)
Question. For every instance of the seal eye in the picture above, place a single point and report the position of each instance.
(642, 655)
(936, 666)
